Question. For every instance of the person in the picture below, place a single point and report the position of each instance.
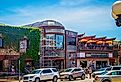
(12, 69)
(90, 72)
(28, 68)
(86, 72)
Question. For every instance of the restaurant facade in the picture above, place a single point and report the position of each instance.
(95, 51)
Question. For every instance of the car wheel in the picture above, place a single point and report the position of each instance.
(82, 77)
(106, 81)
(55, 79)
(70, 77)
(37, 80)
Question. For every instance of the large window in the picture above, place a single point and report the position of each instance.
(55, 41)
(59, 41)
(71, 41)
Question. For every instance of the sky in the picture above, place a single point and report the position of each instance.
(92, 17)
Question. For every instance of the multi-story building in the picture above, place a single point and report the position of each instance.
(96, 51)
(70, 48)
(52, 43)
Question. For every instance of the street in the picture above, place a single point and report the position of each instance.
(78, 80)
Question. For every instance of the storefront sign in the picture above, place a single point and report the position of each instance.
(97, 55)
(81, 55)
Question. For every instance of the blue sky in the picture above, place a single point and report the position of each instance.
(92, 17)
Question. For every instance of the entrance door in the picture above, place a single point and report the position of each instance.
(1, 65)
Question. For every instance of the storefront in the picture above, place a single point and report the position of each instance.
(99, 60)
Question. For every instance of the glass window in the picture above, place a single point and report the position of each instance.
(54, 70)
(46, 71)
(35, 71)
(68, 70)
(59, 41)
(108, 69)
(116, 68)
(75, 70)
(71, 40)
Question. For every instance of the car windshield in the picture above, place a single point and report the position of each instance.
(35, 71)
(68, 70)
(102, 69)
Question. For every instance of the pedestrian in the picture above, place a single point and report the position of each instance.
(86, 72)
(90, 72)
(13, 69)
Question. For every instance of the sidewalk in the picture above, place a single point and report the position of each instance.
(6, 80)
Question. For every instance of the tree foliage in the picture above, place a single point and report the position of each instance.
(12, 36)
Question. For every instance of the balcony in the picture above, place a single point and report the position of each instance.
(54, 54)
(95, 48)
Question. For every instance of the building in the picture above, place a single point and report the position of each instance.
(52, 43)
(95, 51)
(8, 56)
(70, 48)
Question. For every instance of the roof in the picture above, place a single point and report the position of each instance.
(46, 23)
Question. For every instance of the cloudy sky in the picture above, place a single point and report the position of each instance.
(92, 17)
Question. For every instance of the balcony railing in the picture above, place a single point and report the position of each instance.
(95, 48)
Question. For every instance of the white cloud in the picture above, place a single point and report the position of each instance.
(88, 19)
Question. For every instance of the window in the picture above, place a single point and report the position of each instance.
(46, 71)
(75, 70)
(54, 70)
(108, 69)
(116, 68)
(115, 73)
(71, 41)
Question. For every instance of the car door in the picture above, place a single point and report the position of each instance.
(76, 72)
(46, 74)
(116, 76)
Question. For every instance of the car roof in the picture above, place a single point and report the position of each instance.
(44, 68)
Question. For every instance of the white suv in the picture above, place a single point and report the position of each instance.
(72, 74)
(43, 74)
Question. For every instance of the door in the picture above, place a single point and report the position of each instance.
(1, 65)
(76, 72)
(46, 74)
(116, 76)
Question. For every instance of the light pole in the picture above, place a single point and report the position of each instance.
(19, 69)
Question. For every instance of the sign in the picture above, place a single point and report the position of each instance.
(23, 45)
(81, 55)
(97, 55)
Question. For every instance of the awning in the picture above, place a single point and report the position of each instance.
(91, 41)
(83, 40)
(109, 42)
(100, 42)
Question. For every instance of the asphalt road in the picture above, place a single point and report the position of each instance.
(78, 80)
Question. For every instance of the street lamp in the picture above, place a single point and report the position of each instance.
(116, 12)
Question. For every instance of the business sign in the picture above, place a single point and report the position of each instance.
(23, 46)
(97, 55)
(81, 55)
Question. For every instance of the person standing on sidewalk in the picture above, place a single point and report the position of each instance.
(90, 72)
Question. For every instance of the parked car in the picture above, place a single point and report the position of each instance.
(43, 74)
(100, 71)
(110, 76)
(72, 74)
(103, 70)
